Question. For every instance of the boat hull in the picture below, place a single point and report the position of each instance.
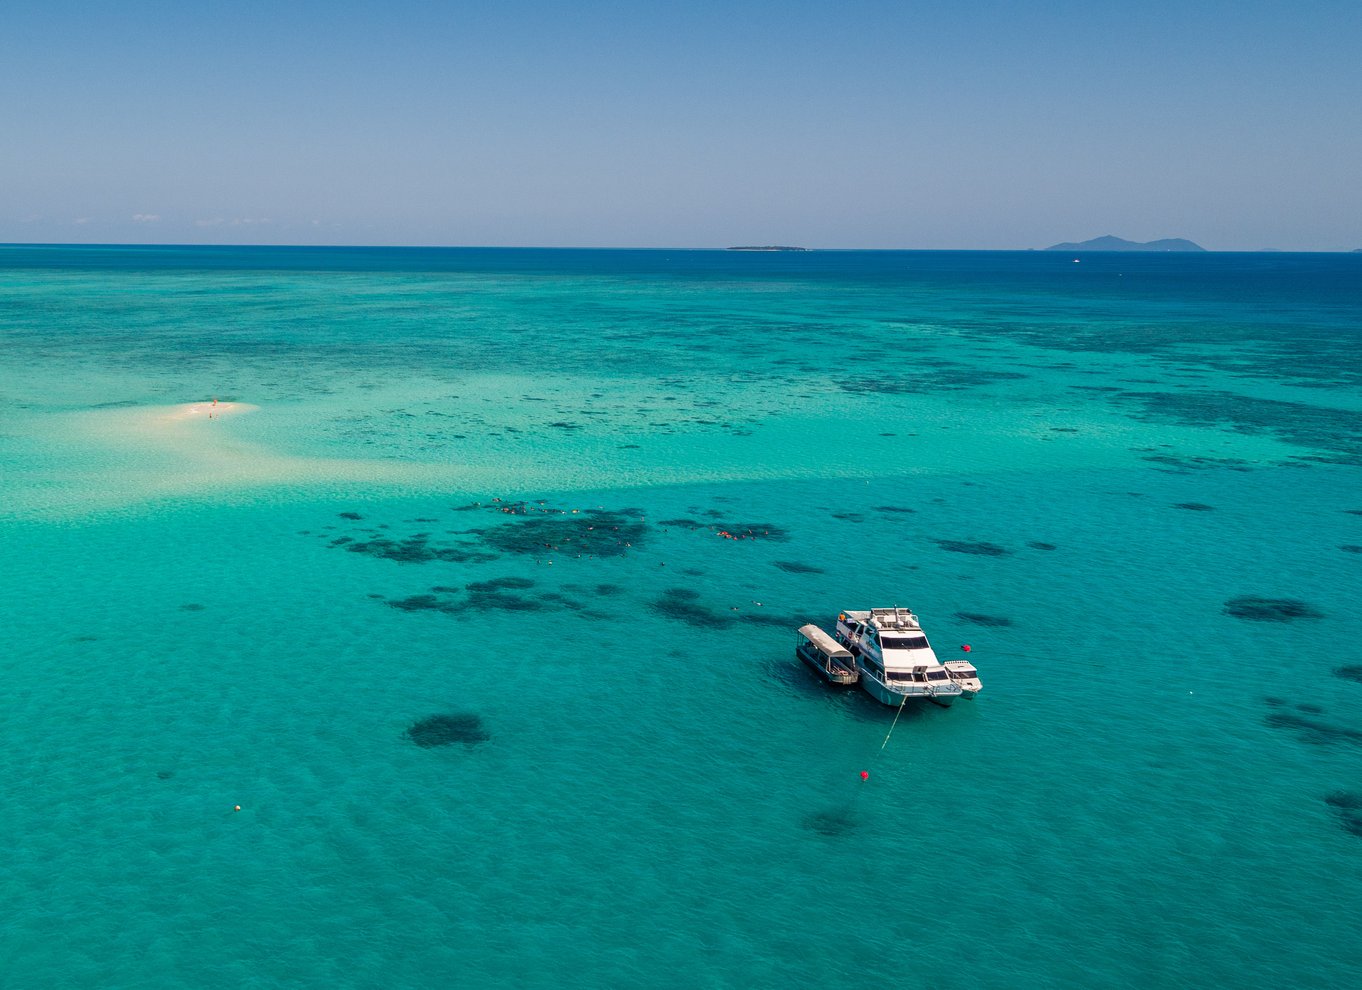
(894, 699)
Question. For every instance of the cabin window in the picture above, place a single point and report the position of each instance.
(905, 642)
(936, 675)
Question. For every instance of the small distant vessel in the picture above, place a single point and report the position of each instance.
(833, 662)
(964, 674)
(894, 659)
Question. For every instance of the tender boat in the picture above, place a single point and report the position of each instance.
(833, 662)
(964, 674)
(893, 657)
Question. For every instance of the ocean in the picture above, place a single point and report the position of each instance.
(476, 593)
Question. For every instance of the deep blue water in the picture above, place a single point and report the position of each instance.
(1130, 483)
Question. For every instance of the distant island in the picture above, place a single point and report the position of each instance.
(768, 247)
(1110, 243)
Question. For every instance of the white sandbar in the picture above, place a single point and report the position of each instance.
(206, 410)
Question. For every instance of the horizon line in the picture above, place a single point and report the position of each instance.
(739, 249)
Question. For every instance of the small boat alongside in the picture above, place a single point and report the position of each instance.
(832, 661)
(962, 672)
(895, 661)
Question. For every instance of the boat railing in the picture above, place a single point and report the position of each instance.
(910, 690)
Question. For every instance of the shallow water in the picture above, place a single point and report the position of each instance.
(1128, 484)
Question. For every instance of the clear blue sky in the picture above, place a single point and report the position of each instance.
(829, 124)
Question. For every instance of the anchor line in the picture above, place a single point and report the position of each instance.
(902, 701)
(856, 794)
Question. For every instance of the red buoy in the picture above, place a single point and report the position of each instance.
(865, 774)
(965, 647)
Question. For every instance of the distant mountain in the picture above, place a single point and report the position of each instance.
(1110, 243)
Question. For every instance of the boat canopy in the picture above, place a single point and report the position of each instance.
(825, 643)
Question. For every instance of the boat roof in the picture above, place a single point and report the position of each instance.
(823, 641)
(885, 618)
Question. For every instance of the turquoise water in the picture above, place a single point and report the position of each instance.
(1130, 484)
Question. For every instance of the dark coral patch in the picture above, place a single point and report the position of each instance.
(501, 584)
(945, 376)
(1038, 545)
(795, 567)
(602, 590)
(445, 730)
(975, 547)
(1349, 807)
(1311, 730)
(595, 532)
(503, 601)
(732, 530)
(1351, 548)
(1335, 435)
(192, 607)
(351, 515)
(1180, 464)
(682, 605)
(751, 531)
(1310, 709)
(421, 603)
(830, 824)
(1351, 672)
(893, 509)
(1195, 506)
(417, 549)
(1270, 609)
(989, 621)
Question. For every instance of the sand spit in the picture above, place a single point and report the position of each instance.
(206, 410)
(109, 458)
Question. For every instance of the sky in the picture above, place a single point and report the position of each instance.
(850, 124)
